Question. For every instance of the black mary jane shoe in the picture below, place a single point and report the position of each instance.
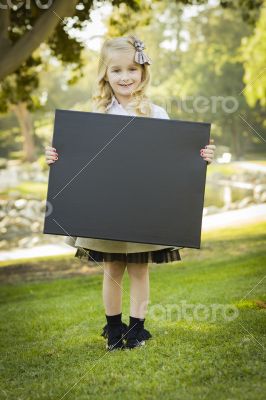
(133, 343)
(115, 338)
(114, 347)
(136, 337)
(105, 330)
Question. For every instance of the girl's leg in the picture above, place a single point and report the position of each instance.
(139, 288)
(112, 286)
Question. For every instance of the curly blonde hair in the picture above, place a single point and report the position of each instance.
(140, 103)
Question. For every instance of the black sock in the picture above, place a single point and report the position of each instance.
(136, 322)
(114, 329)
(114, 320)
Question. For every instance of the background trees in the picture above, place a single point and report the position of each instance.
(198, 53)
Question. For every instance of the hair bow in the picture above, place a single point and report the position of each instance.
(140, 56)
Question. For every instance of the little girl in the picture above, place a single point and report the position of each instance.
(123, 78)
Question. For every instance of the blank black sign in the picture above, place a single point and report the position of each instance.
(127, 178)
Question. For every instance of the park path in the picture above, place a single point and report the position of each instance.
(254, 213)
(250, 166)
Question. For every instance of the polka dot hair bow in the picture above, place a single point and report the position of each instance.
(140, 56)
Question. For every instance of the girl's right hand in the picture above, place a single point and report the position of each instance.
(50, 155)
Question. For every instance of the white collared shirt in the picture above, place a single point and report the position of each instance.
(111, 246)
(116, 108)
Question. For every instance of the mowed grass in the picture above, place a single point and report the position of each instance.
(52, 349)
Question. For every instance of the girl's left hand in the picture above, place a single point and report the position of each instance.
(208, 152)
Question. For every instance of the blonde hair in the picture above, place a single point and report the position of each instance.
(102, 97)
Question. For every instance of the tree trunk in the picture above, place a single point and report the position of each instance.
(237, 145)
(26, 126)
(43, 28)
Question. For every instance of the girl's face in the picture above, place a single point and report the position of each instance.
(124, 74)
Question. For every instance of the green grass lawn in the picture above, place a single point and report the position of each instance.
(51, 344)
(36, 190)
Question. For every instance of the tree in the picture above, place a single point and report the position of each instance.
(29, 27)
(248, 9)
(254, 56)
(24, 29)
(209, 68)
(24, 25)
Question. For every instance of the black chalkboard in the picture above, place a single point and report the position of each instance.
(127, 178)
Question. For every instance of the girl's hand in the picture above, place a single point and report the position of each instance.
(208, 152)
(50, 155)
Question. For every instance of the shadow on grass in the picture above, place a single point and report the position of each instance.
(220, 245)
(45, 269)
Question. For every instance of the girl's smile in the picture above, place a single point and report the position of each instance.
(126, 85)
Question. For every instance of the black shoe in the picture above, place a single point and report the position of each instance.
(136, 337)
(115, 338)
(105, 330)
(134, 342)
(113, 347)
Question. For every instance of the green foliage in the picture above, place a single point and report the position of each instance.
(10, 141)
(68, 49)
(209, 65)
(248, 9)
(21, 85)
(122, 21)
(254, 56)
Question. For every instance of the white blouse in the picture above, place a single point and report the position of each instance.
(111, 246)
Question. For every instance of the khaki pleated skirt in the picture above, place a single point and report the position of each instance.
(158, 256)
